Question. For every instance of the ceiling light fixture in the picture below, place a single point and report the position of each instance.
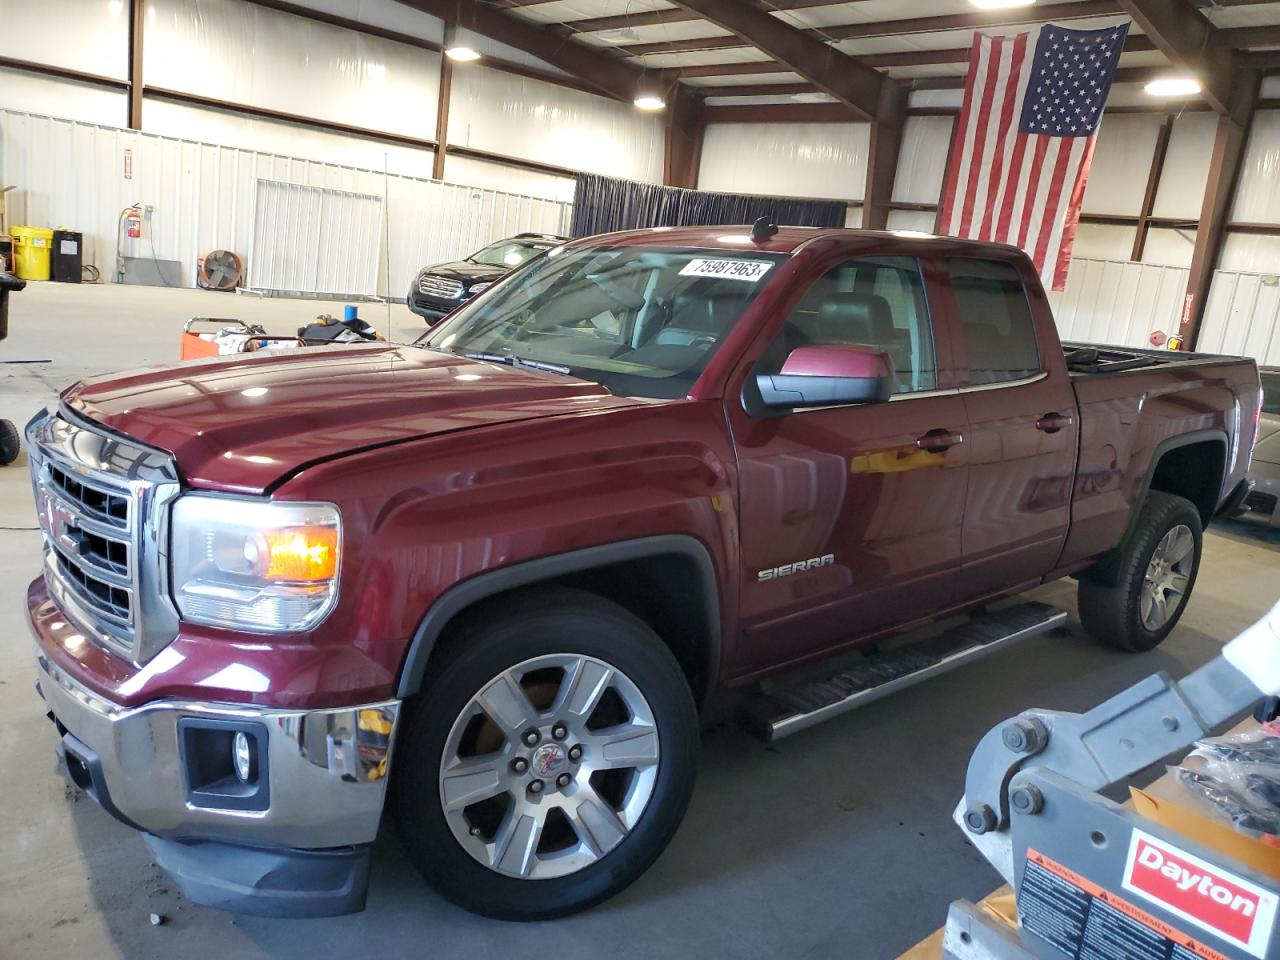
(463, 54)
(649, 101)
(1173, 87)
(1000, 4)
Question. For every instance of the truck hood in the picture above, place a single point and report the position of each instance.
(243, 423)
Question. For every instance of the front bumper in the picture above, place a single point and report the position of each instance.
(302, 852)
(431, 309)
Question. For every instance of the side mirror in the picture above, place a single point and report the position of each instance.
(828, 375)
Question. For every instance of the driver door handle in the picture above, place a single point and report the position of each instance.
(939, 441)
(1053, 422)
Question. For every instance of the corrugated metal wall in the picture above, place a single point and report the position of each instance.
(74, 174)
(1243, 316)
(296, 231)
(1123, 303)
(1119, 302)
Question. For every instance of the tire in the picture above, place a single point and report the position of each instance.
(579, 860)
(9, 442)
(1116, 602)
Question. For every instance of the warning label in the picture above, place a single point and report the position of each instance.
(1085, 922)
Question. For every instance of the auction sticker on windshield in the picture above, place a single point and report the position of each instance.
(748, 270)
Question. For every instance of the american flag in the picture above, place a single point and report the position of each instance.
(1024, 140)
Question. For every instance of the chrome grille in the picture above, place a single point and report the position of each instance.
(101, 501)
(105, 505)
(441, 288)
(115, 603)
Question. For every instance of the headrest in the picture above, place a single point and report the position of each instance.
(856, 318)
(713, 312)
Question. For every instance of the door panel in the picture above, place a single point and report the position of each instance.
(851, 516)
(850, 488)
(1018, 508)
(1023, 430)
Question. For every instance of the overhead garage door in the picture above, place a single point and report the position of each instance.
(314, 240)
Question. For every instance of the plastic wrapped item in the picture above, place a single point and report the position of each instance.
(1256, 746)
(1227, 802)
(1239, 776)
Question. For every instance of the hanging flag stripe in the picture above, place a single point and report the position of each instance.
(1024, 139)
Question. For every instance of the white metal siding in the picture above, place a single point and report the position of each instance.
(72, 174)
(1119, 302)
(315, 240)
(1243, 316)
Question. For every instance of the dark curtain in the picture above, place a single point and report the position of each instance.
(603, 204)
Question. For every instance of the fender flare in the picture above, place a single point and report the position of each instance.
(1174, 443)
(471, 591)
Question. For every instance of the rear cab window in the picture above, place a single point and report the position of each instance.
(994, 321)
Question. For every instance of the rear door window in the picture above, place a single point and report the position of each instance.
(995, 321)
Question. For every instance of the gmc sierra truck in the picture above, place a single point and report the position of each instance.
(486, 582)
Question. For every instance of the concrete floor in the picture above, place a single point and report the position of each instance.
(835, 843)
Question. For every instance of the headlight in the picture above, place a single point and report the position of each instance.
(264, 566)
(480, 287)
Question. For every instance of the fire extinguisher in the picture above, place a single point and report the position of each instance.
(128, 236)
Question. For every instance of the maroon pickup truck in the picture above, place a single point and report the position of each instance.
(489, 580)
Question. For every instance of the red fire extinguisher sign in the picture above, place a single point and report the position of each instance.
(128, 164)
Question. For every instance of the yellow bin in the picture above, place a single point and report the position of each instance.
(32, 250)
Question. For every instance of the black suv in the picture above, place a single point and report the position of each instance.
(439, 290)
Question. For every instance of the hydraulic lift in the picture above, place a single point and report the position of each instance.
(1095, 880)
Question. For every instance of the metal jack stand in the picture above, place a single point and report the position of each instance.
(1095, 880)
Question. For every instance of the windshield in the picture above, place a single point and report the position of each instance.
(509, 253)
(638, 320)
(1271, 392)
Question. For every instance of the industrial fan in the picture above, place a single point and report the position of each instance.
(220, 270)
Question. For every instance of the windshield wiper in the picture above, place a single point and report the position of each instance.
(513, 361)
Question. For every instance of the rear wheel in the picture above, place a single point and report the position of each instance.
(1138, 598)
(549, 761)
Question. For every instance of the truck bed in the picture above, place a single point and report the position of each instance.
(1136, 405)
(1095, 358)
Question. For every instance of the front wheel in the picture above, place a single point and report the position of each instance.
(1138, 599)
(550, 759)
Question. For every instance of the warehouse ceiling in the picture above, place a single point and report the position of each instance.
(693, 42)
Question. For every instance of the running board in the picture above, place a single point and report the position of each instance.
(781, 713)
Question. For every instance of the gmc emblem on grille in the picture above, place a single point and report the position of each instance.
(63, 529)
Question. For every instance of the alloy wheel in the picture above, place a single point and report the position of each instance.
(549, 766)
(1164, 586)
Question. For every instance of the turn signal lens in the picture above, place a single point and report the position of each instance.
(302, 553)
(265, 566)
